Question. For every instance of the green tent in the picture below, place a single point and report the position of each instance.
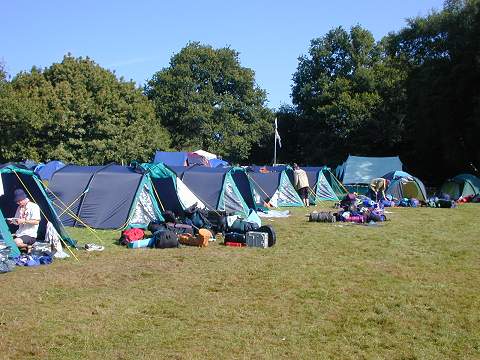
(14, 177)
(6, 238)
(324, 186)
(171, 191)
(461, 185)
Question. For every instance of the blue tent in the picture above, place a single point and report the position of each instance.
(274, 187)
(226, 189)
(217, 163)
(323, 184)
(171, 158)
(45, 171)
(104, 197)
(14, 177)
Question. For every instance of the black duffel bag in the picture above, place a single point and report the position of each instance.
(165, 239)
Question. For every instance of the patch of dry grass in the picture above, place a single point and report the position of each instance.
(404, 290)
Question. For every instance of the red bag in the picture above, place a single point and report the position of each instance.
(131, 235)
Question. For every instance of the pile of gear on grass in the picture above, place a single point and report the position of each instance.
(353, 208)
(198, 227)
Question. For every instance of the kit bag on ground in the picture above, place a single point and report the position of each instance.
(200, 240)
(131, 235)
(155, 226)
(233, 237)
(242, 226)
(323, 216)
(272, 237)
(218, 220)
(180, 228)
(197, 217)
(348, 200)
(165, 239)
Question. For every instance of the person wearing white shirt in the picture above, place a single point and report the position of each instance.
(27, 217)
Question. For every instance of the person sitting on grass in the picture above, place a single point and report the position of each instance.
(27, 217)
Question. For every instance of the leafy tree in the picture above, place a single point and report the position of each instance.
(207, 100)
(78, 112)
(342, 94)
(441, 52)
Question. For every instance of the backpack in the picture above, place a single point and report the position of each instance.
(179, 228)
(165, 239)
(131, 235)
(218, 219)
(243, 226)
(169, 216)
(197, 217)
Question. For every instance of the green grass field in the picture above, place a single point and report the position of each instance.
(407, 289)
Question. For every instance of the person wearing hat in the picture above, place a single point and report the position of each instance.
(27, 217)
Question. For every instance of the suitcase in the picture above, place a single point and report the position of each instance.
(256, 239)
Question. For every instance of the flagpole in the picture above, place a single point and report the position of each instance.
(275, 147)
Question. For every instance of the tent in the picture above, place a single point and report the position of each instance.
(274, 187)
(225, 189)
(361, 170)
(171, 158)
(180, 158)
(403, 185)
(461, 185)
(171, 192)
(104, 197)
(323, 184)
(45, 171)
(6, 238)
(207, 155)
(13, 177)
(217, 163)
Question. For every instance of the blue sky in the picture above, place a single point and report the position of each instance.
(138, 38)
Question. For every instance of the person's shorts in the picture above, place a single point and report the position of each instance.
(303, 192)
(27, 240)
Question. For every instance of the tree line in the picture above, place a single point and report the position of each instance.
(415, 93)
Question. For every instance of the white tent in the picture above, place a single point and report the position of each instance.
(206, 154)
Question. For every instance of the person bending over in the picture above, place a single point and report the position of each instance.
(379, 185)
(301, 184)
(27, 217)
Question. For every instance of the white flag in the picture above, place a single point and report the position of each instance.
(277, 135)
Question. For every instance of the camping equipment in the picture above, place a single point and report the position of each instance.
(234, 237)
(270, 231)
(166, 239)
(323, 216)
(256, 239)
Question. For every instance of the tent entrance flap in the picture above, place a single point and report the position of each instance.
(287, 196)
(231, 197)
(144, 211)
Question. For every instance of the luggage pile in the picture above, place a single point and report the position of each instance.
(353, 209)
(198, 227)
